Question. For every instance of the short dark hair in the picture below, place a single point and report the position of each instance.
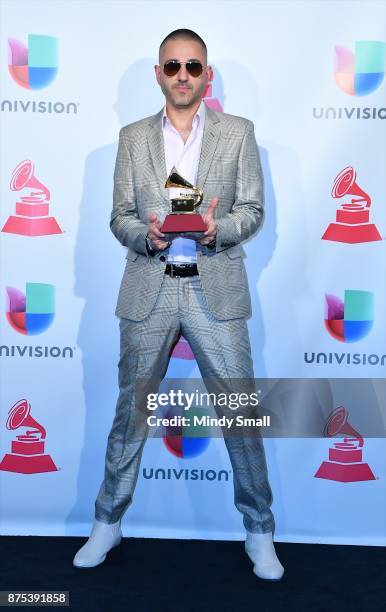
(183, 34)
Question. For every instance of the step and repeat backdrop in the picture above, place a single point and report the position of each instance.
(310, 75)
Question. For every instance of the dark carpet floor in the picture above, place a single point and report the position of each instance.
(185, 576)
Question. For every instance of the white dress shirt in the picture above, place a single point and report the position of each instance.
(185, 157)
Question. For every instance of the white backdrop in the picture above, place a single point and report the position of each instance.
(274, 64)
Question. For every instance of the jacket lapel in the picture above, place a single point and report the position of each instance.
(209, 143)
(157, 152)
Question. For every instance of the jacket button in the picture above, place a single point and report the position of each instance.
(162, 258)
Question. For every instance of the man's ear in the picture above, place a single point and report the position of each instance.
(157, 70)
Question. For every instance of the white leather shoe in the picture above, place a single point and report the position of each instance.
(103, 538)
(261, 551)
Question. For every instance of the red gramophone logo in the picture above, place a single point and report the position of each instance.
(353, 217)
(27, 450)
(31, 217)
(345, 458)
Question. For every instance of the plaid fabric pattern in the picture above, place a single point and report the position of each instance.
(229, 168)
(223, 352)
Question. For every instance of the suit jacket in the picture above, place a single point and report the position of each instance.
(229, 167)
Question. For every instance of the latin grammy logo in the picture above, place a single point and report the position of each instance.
(352, 218)
(345, 458)
(27, 450)
(210, 101)
(31, 217)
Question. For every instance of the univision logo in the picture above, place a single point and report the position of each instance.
(186, 441)
(185, 474)
(348, 321)
(33, 106)
(362, 72)
(32, 312)
(16, 350)
(345, 359)
(357, 74)
(35, 66)
(352, 319)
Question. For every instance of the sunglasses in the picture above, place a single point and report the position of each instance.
(172, 68)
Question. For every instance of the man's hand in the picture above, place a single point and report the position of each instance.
(210, 223)
(154, 234)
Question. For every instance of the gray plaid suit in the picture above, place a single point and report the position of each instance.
(210, 310)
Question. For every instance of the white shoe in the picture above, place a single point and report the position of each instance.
(103, 538)
(261, 551)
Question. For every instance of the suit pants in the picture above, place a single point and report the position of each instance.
(222, 350)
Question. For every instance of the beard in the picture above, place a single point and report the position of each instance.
(185, 100)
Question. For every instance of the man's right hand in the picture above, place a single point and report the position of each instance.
(155, 235)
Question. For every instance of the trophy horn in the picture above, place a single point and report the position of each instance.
(19, 416)
(345, 184)
(176, 180)
(338, 423)
(23, 176)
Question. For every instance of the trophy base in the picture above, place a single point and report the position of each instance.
(183, 226)
(351, 234)
(28, 465)
(349, 472)
(25, 226)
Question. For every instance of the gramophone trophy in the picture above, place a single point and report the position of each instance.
(31, 217)
(345, 458)
(352, 218)
(27, 451)
(183, 220)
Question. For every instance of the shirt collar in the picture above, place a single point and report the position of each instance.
(198, 118)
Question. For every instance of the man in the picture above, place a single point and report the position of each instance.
(197, 288)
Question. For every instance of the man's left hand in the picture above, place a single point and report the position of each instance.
(210, 223)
